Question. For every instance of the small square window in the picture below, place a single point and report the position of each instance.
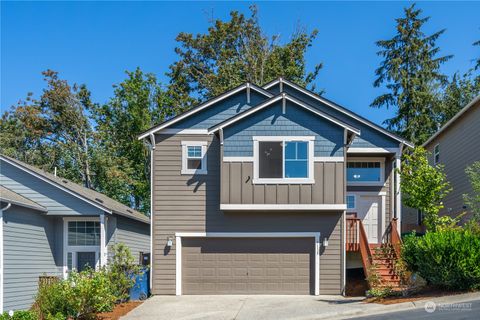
(194, 157)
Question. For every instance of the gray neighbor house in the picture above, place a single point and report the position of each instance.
(455, 146)
(269, 190)
(50, 225)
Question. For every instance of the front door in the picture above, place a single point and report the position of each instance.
(85, 260)
(369, 212)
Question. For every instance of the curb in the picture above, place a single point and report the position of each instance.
(404, 306)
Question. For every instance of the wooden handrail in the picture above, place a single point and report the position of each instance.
(358, 234)
(395, 238)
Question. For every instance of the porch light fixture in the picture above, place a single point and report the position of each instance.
(169, 241)
(325, 242)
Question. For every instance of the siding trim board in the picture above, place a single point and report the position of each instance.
(178, 255)
(315, 159)
(1, 254)
(289, 207)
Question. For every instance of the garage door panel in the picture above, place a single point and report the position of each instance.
(247, 266)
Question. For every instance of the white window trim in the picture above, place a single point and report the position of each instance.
(180, 235)
(185, 145)
(354, 209)
(75, 249)
(368, 183)
(435, 153)
(309, 180)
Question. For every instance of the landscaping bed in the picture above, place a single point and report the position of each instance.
(426, 293)
(119, 311)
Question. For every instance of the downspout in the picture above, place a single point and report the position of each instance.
(151, 146)
(398, 194)
(1, 254)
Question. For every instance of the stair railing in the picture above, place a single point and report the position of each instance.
(357, 241)
(392, 236)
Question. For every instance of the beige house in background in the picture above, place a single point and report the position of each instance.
(456, 146)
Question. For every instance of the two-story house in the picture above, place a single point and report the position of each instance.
(455, 146)
(251, 192)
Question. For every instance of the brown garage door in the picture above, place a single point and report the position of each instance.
(247, 265)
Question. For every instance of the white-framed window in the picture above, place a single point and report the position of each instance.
(436, 154)
(81, 238)
(283, 159)
(194, 157)
(351, 202)
(366, 171)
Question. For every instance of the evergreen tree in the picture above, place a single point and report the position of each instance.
(410, 71)
(234, 52)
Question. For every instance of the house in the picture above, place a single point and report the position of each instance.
(251, 191)
(456, 146)
(50, 225)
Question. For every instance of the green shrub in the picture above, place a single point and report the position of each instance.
(121, 268)
(19, 315)
(79, 297)
(448, 258)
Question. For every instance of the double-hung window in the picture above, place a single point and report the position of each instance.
(194, 157)
(365, 171)
(283, 159)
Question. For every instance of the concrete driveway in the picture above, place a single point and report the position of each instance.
(245, 307)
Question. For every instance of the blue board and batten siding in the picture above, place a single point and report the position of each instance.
(238, 137)
(32, 248)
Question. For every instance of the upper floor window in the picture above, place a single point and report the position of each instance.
(83, 233)
(194, 158)
(436, 154)
(283, 159)
(365, 171)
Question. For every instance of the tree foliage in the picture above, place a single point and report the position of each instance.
(410, 71)
(473, 199)
(233, 52)
(423, 186)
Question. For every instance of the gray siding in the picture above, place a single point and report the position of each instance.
(237, 186)
(56, 201)
(272, 122)
(134, 234)
(186, 203)
(30, 250)
(459, 148)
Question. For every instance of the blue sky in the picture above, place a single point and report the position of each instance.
(95, 42)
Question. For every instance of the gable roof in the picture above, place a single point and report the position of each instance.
(277, 98)
(454, 118)
(202, 106)
(90, 196)
(7, 195)
(338, 108)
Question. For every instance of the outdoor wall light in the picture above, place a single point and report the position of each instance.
(325, 242)
(169, 241)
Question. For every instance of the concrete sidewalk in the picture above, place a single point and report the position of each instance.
(266, 307)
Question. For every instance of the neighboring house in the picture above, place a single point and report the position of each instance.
(251, 189)
(455, 146)
(50, 225)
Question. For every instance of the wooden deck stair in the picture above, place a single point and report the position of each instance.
(379, 260)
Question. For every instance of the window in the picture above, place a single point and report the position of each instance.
(365, 172)
(83, 233)
(283, 159)
(350, 202)
(194, 158)
(436, 154)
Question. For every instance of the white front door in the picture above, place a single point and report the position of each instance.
(369, 212)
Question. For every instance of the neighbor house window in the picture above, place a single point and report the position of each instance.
(283, 159)
(83, 233)
(194, 158)
(365, 171)
(436, 154)
(350, 202)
